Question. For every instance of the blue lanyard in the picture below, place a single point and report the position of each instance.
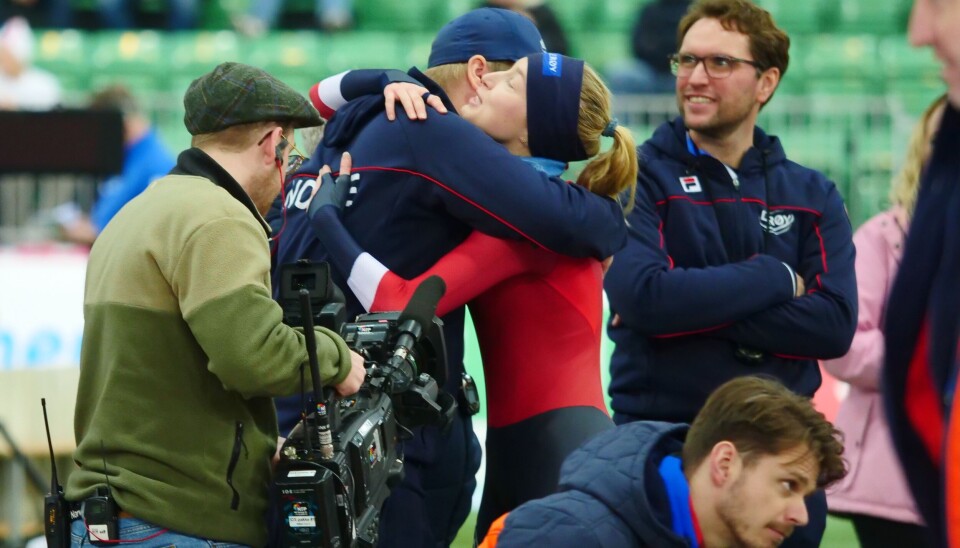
(678, 492)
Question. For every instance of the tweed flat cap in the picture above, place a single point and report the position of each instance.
(234, 93)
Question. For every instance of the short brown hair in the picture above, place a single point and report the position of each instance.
(769, 45)
(240, 137)
(760, 416)
(446, 75)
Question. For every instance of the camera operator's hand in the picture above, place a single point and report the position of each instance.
(354, 380)
(332, 192)
(413, 98)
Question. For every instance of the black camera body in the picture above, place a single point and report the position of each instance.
(330, 484)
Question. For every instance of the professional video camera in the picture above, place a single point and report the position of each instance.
(340, 462)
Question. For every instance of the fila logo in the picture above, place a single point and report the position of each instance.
(776, 223)
(690, 184)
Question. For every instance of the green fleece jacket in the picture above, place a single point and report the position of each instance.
(183, 349)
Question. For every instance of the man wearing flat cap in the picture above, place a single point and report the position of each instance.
(183, 347)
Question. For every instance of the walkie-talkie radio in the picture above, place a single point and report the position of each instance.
(56, 510)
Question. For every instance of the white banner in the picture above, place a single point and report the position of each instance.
(41, 307)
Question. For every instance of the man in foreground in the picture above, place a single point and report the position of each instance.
(736, 477)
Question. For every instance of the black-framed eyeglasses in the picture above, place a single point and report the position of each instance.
(717, 66)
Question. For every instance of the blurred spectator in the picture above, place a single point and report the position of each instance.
(264, 14)
(653, 39)
(922, 327)
(145, 158)
(542, 16)
(117, 14)
(875, 494)
(40, 13)
(23, 86)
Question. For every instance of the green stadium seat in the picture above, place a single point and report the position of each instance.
(819, 144)
(873, 16)
(837, 64)
(401, 16)
(801, 16)
(899, 60)
(287, 52)
(346, 51)
(66, 54)
(601, 48)
(912, 74)
(414, 49)
(136, 59)
(194, 53)
(574, 15)
(616, 16)
(215, 14)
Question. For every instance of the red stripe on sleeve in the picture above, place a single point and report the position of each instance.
(325, 111)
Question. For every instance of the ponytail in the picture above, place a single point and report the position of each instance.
(615, 171)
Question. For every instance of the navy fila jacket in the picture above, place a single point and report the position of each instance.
(423, 186)
(705, 273)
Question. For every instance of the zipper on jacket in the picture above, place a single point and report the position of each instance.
(234, 458)
(735, 180)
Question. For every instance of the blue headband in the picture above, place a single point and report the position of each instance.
(553, 106)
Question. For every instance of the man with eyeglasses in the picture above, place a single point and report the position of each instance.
(739, 261)
(183, 346)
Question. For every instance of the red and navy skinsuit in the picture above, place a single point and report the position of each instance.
(423, 186)
(708, 269)
(538, 321)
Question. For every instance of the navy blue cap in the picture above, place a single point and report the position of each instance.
(497, 34)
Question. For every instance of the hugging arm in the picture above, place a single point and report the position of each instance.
(332, 93)
(479, 182)
(477, 264)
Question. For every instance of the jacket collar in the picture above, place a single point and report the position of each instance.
(433, 87)
(196, 162)
(671, 140)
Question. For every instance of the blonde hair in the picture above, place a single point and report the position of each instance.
(907, 182)
(452, 73)
(614, 171)
(238, 138)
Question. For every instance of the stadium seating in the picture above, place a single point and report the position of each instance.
(843, 53)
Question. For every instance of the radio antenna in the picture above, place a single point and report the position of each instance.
(54, 481)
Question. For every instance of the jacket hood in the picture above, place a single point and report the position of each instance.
(670, 140)
(347, 122)
(620, 468)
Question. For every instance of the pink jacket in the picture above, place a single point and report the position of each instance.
(875, 485)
